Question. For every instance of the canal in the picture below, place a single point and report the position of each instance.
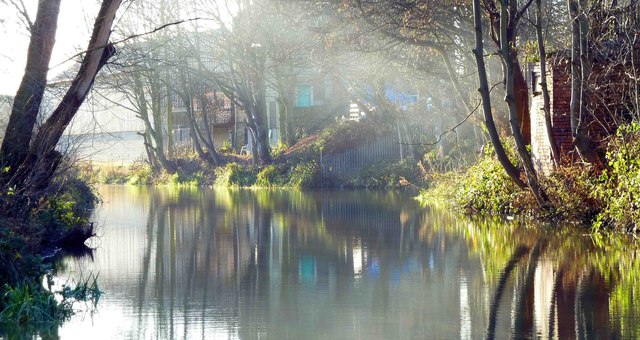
(263, 264)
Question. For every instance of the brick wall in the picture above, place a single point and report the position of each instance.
(607, 90)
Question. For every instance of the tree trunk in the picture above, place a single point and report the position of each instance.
(555, 153)
(580, 71)
(154, 131)
(254, 111)
(26, 105)
(171, 148)
(287, 95)
(193, 129)
(205, 133)
(478, 52)
(153, 161)
(44, 159)
(510, 64)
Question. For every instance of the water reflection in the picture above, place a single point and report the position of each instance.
(343, 265)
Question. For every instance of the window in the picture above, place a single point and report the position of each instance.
(303, 96)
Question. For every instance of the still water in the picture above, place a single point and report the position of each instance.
(236, 264)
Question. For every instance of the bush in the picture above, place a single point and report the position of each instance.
(389, 176)
(235, 175)
(140, 173)
(271, 176)
(570, 190)
(278, 150)
(483, 188)
(28, 302)
(619, 185)
(305, 175)
(68, 208)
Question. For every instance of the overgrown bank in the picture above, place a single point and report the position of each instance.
(28, 246)
(578, 193)
(298, 166)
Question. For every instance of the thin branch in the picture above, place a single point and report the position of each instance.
(22, 11)
(447, 131)
(174, 23)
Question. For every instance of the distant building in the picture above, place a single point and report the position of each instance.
(6, 103)
(318, 99)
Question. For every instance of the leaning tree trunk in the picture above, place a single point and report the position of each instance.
(478, 52)
(546, 99)
(44, 157)
(26, 105)
(514, 114)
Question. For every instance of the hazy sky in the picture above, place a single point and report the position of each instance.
(76, 19)
(74, 25)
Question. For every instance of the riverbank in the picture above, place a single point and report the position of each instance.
(301, 174)
(28, 245)
(578, 193)
(304, 165)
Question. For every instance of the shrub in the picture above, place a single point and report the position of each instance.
(234, 174)
(619, 185)
(570, 190)
(305, 175)
(140, 173)
(483, 188)
(226, 148)
(30, 302)
(67, 208)
(271, 176)
(278, 150)
(388, 176)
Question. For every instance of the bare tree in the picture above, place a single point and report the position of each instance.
(30, 156)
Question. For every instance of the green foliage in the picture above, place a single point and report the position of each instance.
(82, 289)
(180, 179)
(531, 51)
(484, 187)
(271, 176)
(226, 148)
(570, 189)
(140, 173)
(389, 176)
(30, 302)
(305, 175)
(278, 150)
(577, 192)
(619, 185)
(15, 253)
(69, 208)
(235, 175)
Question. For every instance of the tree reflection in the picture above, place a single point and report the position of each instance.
(286, 264)
(584, 275)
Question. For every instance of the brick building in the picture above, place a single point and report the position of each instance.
(608, 93)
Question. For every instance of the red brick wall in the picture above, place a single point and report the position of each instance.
(607, 90)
